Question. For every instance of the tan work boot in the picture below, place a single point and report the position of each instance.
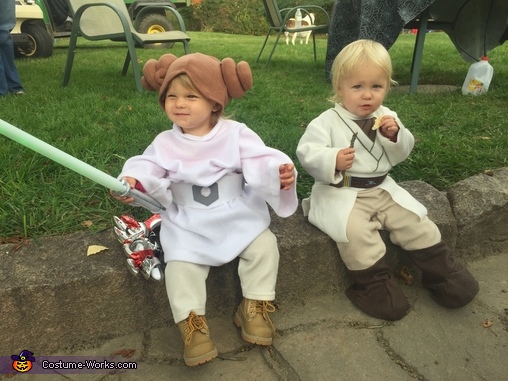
(252, 317)
(198, 347)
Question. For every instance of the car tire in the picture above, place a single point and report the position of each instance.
(40, 44)
(156, 23)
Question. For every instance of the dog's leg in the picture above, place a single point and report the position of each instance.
(287, 38)
(308, 36)
(294, 37)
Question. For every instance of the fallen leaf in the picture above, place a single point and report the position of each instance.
(25, 242)
(95, 249)
(489, 172)
(127, 353)
(487, 323)
(87, 224)
(404, 274)
(13, 239)
(18, 242)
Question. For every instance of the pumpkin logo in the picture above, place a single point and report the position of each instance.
(23, 362)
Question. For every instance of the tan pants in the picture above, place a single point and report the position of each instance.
(374, 210)
(257, 268)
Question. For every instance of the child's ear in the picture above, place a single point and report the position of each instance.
(216, 107)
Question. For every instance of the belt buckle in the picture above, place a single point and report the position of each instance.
(206, 195)
(346, 181)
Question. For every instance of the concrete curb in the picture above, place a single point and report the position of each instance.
(55, 297)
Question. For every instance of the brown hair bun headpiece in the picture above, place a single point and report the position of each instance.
(216, 80)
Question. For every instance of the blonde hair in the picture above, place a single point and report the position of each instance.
(184, 80)
(355, 56)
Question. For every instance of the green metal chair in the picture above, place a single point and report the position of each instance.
(109, 20)
(277, 19)
(422, 23)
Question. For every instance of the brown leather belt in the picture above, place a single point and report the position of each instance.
(359, 182)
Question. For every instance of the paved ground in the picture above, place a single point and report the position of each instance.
(326, 338)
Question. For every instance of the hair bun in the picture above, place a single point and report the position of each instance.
(238, 78)
(154, 71)
(218, 81)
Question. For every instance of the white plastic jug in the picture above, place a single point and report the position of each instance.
(298, 18)
(478, 77)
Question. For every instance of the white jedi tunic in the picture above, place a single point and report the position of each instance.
(217, 234)
(328, 207)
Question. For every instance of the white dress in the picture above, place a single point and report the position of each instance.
(217, 234)
(328, 207)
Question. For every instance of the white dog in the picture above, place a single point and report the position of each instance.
(307, 20)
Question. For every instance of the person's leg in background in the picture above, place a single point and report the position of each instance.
(9, 78)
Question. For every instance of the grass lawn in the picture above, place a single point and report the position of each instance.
(101, 119)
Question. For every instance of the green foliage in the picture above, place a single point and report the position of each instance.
(246, 17)
(231, 16)
(100, 119)
(325, 4)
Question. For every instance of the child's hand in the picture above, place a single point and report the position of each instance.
(388, 126)
(126, 200)
(287, 176)
(345, 159)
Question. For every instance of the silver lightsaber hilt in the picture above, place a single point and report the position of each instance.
(141, 198)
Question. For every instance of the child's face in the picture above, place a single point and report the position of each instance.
(364, 90)
(189, 109)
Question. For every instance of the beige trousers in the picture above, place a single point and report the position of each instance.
(257, 269)
(375, 210)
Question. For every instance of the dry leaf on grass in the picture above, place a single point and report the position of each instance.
(95, 249)
(87, 224)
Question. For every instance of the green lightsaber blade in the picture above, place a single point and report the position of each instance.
(94, 174)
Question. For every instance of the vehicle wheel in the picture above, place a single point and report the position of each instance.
(40, 44)
(156, 23)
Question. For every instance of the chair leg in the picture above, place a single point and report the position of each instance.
(314, 41)
(418, 51)
(137, 75)
(186, 48)
(263, 47)
(70, 56)
(126, 63)
(273, 49)
(133, 58)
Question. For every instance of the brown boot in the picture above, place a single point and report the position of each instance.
(252, 317)
(452, 285)
(198, 347)
(377, 293)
